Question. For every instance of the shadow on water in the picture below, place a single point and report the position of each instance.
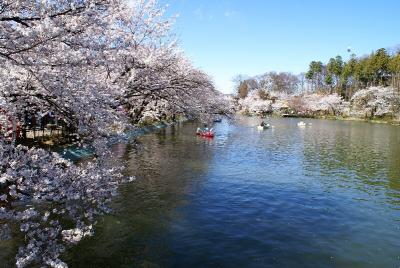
(168, 166)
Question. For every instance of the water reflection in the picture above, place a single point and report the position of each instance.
(357, 154)
(168, 166)
(326, 195)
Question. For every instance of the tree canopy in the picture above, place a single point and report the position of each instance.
(98, 65)
(345, 78)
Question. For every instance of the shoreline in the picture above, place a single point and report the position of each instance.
(75, 153)
(331, 117)
(373, 104)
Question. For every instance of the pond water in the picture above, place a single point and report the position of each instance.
(323, 195)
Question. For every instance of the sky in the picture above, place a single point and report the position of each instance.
(250, 37)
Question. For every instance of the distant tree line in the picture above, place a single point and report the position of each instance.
(376, 69)
(380, 68)
(271, 81)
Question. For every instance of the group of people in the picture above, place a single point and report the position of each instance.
(205, 129)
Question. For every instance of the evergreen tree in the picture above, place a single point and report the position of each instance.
(394, 68)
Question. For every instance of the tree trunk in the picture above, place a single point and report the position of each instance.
(14, 130)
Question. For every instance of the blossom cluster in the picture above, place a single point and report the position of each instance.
(366, 103)
(376, 101)
(98, 66)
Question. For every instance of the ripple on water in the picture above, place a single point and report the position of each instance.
(321, 196)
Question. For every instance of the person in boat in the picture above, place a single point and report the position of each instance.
(202, 130)
(262, 124)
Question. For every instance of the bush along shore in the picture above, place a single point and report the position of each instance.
(375, 104)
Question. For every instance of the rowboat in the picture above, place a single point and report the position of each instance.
(208, 134)
(263, 127)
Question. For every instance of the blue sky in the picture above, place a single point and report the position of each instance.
(229, 37)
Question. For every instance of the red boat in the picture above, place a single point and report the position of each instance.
(208, 134)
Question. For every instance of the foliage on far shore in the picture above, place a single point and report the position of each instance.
(365, 87)
(370, 103)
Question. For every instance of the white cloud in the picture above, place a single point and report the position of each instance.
(229, 13)
(200, 14)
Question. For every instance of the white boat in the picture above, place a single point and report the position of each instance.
(301, 124)
(266, 126)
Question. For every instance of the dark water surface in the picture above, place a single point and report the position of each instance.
(327, 195)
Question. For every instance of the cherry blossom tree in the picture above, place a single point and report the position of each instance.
(82, 59)
(171, 85)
